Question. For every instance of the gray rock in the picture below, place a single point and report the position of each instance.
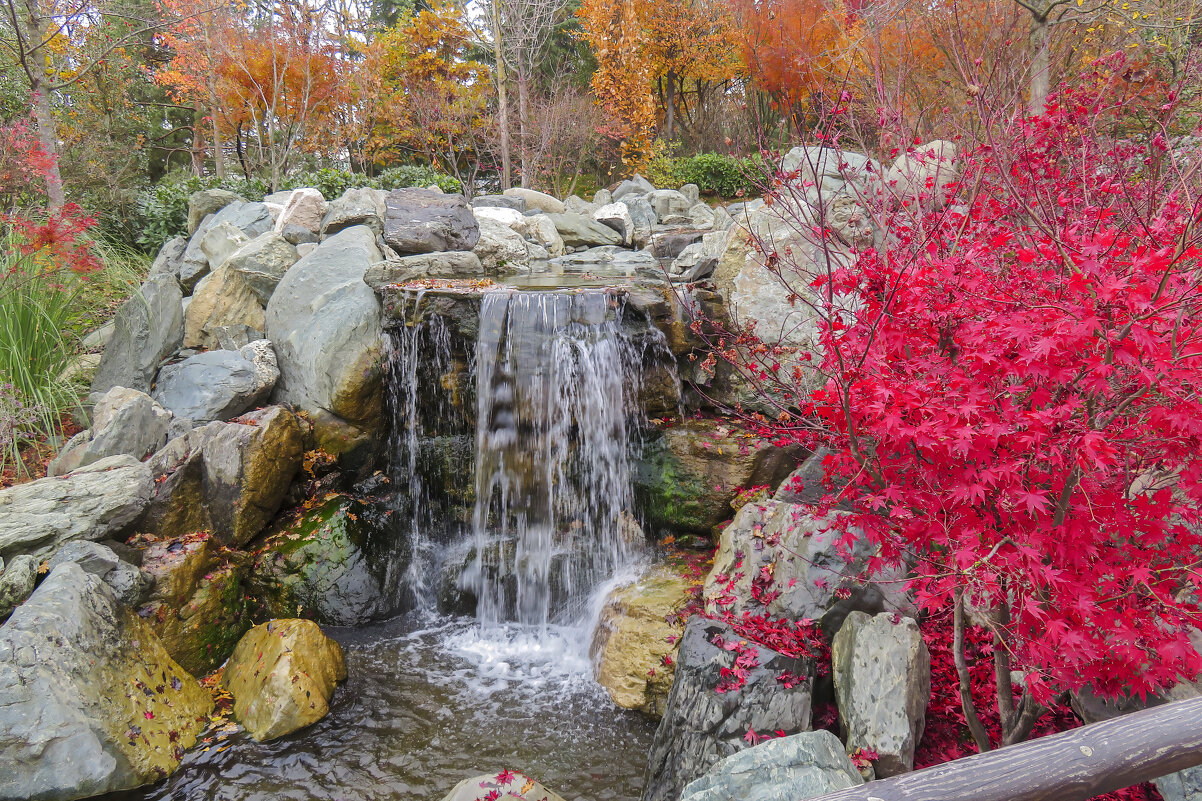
(147, 328)
(355, 207)
(701, 215)
(692, 193)
(536, 200)
(578, 205)
(97, 340)
(809, 572)
(16, 583)
(580, 231)
(129, 584)
(603, 197)
(1184, 785)
(722, 219)
(830, 170)
(297, 235)
(806, 484)
(421, 221)
(694, 263)
(93, 503)
(235, 223)
(500, 248)
(670, 244)
(325, 325)
(617, 216)
(539, 229)
(667, 203)
(452, 264)
(90, 702)
(170, 255)
(701, 726)
(124, 421)
(882, 673)
(933, 163)
(208, 201)
(262, 262)
(643, 217)
(638, 185)
(805, 765)
(218, 384)
(499, 201)
(304, 210)
(613, 258)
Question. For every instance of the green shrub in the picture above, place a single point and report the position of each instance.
(716, 174)
(417, 175)
(329, 181)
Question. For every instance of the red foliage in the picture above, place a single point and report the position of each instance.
(23, 164)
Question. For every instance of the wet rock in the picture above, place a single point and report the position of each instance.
(360, 206)
(93, 503)
(90, 702)
(809, 572)
(304, 209)
(615, 258)
(453, 264)
(282, 675)
(197, 607)
(223, 298)
(617, 216)
(508, 784)
(500, 248)
(336, 565)
(421, 221)
(124, 421)
(923, 173)
(325, 325)
(636, 185)
(577, 230)
(208, 201)
(882, 673)
(262, 262)
(689, 476)
(536, 201)
(805, 765)
(634, 646)
(228, 478)
(147, 328)
(701, 726)
(514, 202)
(128, 583)
(219, 384)
(16, 583)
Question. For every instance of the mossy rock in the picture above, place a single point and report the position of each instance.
(339, 564)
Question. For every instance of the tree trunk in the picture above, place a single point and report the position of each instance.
(670, 107)
(1041, 64)
(524, 122)
(198, 141)
(502, 98)
(37, 67)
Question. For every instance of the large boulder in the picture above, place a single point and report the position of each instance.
(668, 203)
(812, 577)
(701, 726)
(124, 421)
(688, 478)
(359, 206)
(282, 675)
(305, 209)
(262, 262)
(219, 236)
(829, 170)
(636, 639)
(325, 324)
(336, 564)
(16, 583)
(642, 216)
(169, 257)
(129, 584)
(577, 231)
(227, 478)
(90, 702)
(198, 607)
(536, 201)
(208, 201)
(218, 384)
(805, 765)
(421, 221)
(923, 174)
(617, 216)
(500, 248)
(882, 672)
(507, 784)
(146, 330)
(93, 503)
(499, 202)
(540, 229)
(635, 186)
(453, 264)
(223, 298)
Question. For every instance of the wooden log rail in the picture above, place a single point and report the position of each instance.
(1069, 766)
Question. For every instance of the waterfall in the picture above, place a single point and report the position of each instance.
(539, 462)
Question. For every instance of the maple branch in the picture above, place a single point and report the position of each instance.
(979, 734)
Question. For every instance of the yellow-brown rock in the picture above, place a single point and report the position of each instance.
(282, 676)
(223, 297)
(634, 647)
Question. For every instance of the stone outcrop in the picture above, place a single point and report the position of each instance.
(129, 584)
(208, 201)
(499, 248)
(805, 765)
(90, 702)
(882, 674)
(147, 329)
(325, 325)
(536, 201)
(635, 643)
(577, 230)
(93, 503)
(421, 221)
(124, 422)
(17, 581)
(218, 384)
(360, 206)
(701, 726)
(453, 264)
(282, 675)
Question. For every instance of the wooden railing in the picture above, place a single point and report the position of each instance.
(1070, 766)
